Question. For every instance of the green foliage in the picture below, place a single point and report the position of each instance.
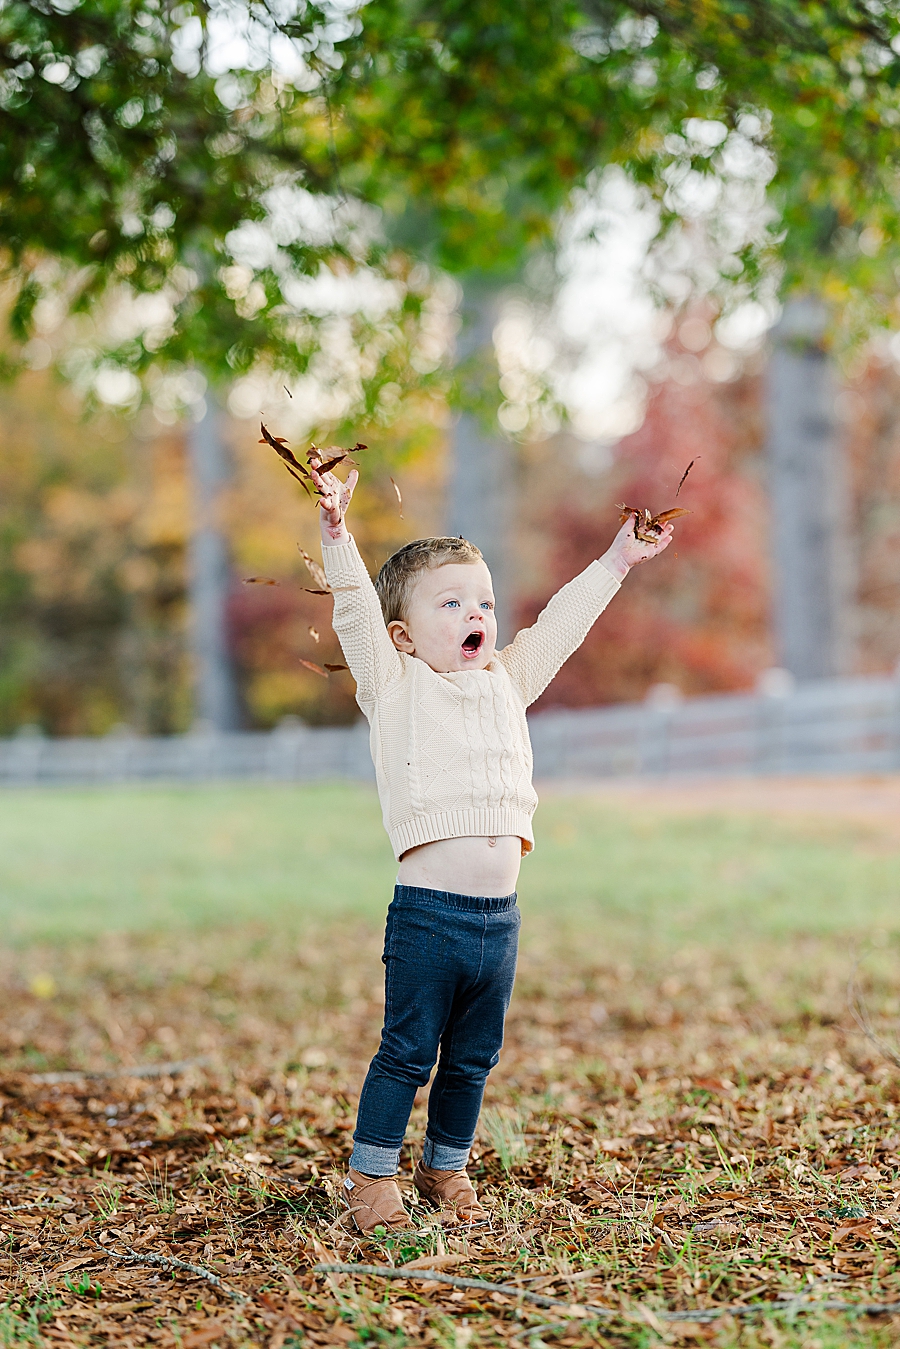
(125, 163)
(119, 164)
(471, 121)
(83, 1286)
(124, 168)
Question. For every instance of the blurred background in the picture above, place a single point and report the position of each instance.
(678, 247)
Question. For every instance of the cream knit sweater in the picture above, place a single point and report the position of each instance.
(452, 752)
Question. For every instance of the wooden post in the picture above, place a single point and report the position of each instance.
(809, 496)
(216, 701)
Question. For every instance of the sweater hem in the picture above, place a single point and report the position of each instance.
(474, 822)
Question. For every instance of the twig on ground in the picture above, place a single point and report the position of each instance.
(700, 1315)
(140, 1070)
(481, 1285)
(19, 1208)
(132, 1256)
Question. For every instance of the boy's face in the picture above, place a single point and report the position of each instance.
(450, 622)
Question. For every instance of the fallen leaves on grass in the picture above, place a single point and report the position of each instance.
(692, 1151)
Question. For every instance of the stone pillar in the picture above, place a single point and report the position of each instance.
(810, 499)
(481, 487)
(216, 701)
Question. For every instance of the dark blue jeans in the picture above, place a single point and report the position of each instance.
(450, 962)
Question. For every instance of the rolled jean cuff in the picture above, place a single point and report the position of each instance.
(440, 1157)
(374, 1161)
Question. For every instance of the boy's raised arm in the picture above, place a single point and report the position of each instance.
(358, 622)
(536, 654)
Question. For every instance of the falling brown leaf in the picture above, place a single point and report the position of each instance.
(684, 476)
(332, 590)
(288, 458)
(399, 497)
(315, 571)
(674, 514)
(260, 581)
(333, 668)
(316, 669)
(314, 634)
(331, 463)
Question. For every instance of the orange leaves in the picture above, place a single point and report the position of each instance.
(316, 669)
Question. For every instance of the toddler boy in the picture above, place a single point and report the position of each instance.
(453, 764)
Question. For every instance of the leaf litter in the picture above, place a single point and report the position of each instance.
(651, 1148)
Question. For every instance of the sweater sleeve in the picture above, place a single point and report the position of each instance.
(535, 655)
(372, 657)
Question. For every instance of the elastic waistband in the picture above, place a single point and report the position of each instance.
(417, 894)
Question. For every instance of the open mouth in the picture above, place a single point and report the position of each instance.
(473, 644)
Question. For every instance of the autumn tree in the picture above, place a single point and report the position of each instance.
(123, 155)
(140, 179)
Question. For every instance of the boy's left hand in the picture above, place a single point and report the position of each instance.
(626, 551)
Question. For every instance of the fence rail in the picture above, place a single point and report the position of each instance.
(828, 726)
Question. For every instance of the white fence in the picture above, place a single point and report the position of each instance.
(826, 726)
(830, 726)
(291, 753)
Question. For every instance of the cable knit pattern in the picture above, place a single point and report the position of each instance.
(451, 751)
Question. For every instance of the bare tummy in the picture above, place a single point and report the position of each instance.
(464, 866)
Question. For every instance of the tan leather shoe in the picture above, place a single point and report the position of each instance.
(451, 1192)
(374, 1203)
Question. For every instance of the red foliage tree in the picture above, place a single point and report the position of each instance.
(699, 616)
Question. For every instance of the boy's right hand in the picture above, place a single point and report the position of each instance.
(333, 502)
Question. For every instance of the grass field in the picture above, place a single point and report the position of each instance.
(77, 863)
(685, 1118)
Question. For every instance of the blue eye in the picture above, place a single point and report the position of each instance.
(452, 604)
(486, 604)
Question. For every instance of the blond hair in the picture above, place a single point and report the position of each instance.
(395, 580)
